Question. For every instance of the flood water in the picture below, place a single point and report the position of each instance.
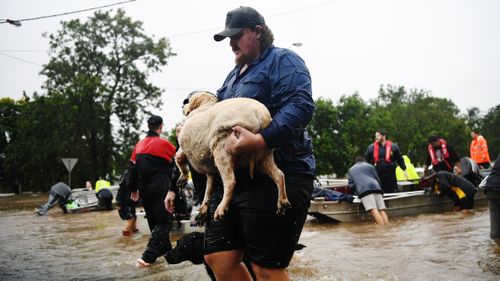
(89, 246)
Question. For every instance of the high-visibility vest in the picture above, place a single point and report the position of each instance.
(479, 150)
(100, 184)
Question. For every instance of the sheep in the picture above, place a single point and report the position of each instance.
(202, 138)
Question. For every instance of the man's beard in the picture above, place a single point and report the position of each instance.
(243, 59)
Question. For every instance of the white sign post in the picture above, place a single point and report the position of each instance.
(69, 163)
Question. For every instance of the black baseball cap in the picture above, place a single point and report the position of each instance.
(155, 121)
(239, 19)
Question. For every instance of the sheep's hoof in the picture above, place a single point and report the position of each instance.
(283, 205)
(181, 183)
(202, 216)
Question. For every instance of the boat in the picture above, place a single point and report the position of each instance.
(412, 200)
(85, 200)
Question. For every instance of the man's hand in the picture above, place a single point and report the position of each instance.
(242, 140)
(169, 202)
(134, 196)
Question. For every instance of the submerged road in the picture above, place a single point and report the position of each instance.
(89, 246)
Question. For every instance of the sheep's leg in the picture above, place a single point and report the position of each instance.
(224, 163)
(183, 168)
(201, 217)
(268, 166)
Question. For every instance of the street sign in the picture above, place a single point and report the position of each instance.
(69, 163)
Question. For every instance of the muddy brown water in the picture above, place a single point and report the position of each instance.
(89, 246)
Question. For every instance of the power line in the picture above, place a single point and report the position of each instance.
(22, 51)
(172, 36)
(20, 59)
(18, 22)
(272, 16)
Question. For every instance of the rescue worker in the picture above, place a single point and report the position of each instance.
(104, 195)
(385, 156)
(457, 188)
(441, 155)
(364, 182)
(151, 170)
(479, 150)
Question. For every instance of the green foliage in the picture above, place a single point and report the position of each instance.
(324, 128)
(97, 96)
(490, 129)
(341, 132)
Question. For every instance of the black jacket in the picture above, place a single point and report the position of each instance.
(446, 180)
(493, 181)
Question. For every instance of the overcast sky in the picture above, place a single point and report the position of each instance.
(450, 47)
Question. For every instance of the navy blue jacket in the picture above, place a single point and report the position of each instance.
(280, 80)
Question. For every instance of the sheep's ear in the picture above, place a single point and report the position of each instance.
(195, 102)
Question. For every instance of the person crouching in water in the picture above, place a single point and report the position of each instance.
(104, 195)
(365, 183)
(457, 188)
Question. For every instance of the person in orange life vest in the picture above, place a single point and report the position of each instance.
(441, 155)
(479, 150)
(457, 188)
(150, 176)
(385, 156)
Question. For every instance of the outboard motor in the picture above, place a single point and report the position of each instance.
(58, 192)
(471, 171)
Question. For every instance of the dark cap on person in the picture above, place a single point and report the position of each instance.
(239, 19)
(155, 121)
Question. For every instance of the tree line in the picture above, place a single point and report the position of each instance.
(98, 92)
(344, 130)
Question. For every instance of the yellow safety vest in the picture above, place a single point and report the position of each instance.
(100, 184)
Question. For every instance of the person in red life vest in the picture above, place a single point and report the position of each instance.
(479, 150)
(150, 177)
(385, 156)
(441, 155)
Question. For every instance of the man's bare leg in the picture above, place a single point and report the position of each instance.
(228, 266)
(385, 218)
(271, 274)
(377, 216)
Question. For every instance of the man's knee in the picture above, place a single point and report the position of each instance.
(223, 260)
(266, 273)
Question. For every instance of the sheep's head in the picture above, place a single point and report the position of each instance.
(197, 100)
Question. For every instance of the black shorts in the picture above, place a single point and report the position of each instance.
(251, 223)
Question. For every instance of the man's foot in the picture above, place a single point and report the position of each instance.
(128, 232)
(142, 263)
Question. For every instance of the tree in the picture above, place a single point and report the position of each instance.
(412, 117)
(10, 112)
(353, 115)
(101, 67)
(323, 129)
(473, 117)
(490, 128)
